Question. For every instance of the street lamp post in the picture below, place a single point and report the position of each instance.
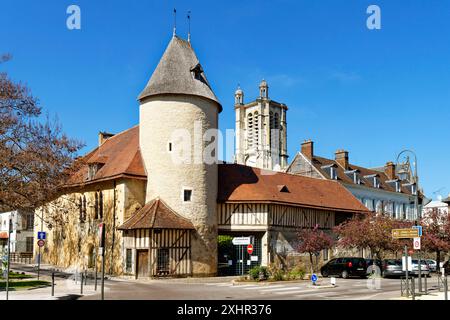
(416, 205)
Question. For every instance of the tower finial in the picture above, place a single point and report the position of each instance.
(189, 24)
(174, 22)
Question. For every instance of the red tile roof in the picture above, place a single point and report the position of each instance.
(238, 183)
(118, 156)
(156, 215)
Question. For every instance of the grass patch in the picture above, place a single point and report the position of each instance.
(14, 275)
(25, 284)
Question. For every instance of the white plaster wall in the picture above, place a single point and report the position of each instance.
(159, 118)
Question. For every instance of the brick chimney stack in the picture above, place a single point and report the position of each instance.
(389, 169)
(341, 157)
(103, 136)
(308, 149)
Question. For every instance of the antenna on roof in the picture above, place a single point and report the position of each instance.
(189, 24)
(174, 22)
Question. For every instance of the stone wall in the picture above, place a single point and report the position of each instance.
(71, 243)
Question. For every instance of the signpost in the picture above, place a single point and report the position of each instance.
(41, 235)
(101, 231)
(314, 279)
(405, 233)
(416, 243)
(243, 241)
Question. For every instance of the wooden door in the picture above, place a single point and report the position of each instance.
(142, 263)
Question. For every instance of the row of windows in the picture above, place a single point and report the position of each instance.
(396, 210)
(98, 206)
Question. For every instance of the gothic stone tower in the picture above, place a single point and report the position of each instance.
(261, 131)
(179, 99)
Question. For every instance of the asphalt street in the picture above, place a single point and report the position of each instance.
(345, 289)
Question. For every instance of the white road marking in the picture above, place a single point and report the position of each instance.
(280, 289)
(265, 287)
(294, 292)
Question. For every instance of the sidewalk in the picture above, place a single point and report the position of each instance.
(66, 288)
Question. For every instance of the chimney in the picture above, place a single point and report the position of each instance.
(389, 169)
(341, 157)
(103, 136)
(308, 149)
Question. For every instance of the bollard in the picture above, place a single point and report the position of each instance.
(81, 274)
(426, 285)
(53, 284)
(446, 288)
(85, 277)
(95, 275)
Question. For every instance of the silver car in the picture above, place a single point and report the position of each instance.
(424, 269)
(432, 264)
(392, 268)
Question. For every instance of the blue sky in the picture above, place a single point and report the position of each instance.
(371, 92)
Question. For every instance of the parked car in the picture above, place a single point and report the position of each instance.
(424, 269)
(392, 268)
(370, 263)
(345, 267)
(432, 265)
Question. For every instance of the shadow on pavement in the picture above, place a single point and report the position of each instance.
(70, 297)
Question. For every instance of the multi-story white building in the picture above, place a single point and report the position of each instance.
(383, 190)
(21, 232)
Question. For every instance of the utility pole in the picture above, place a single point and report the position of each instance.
(416, 207)
(9, 255)
(102, 251)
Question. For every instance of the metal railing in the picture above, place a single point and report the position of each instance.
(22, 257)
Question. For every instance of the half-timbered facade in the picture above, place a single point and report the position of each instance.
(157, 242)
(270, 207)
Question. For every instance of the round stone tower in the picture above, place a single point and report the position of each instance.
(177, 108)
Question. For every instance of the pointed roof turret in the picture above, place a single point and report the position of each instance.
(179, 72)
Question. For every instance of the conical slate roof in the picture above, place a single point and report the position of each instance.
(179, 72)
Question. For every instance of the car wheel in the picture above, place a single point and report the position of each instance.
(344, 274)
(324, 273)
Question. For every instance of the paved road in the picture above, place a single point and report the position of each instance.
(221, 289)
(346, 289)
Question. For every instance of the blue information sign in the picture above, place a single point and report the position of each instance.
(419, 228)
(314, 277)
(41, 235)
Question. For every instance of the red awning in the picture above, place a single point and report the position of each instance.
(3, 234)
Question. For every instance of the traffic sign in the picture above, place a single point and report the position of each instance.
(241, 241)
(416, 243)
(410, 268)
(41, 243)
(405, 233)
(418, 228)
(314, 278)
(41, 235)
(250, 249)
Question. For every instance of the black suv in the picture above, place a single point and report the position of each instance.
(345, 267)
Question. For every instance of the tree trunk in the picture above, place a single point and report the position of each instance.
(311, 262)
(438, 260)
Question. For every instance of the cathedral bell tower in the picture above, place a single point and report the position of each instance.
(261, 131)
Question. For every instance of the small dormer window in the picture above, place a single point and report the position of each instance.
(333, 173)
(330, 169)
(376, 182)
(197, 72)
(354, 175)
(398, 187)
(413, 189)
